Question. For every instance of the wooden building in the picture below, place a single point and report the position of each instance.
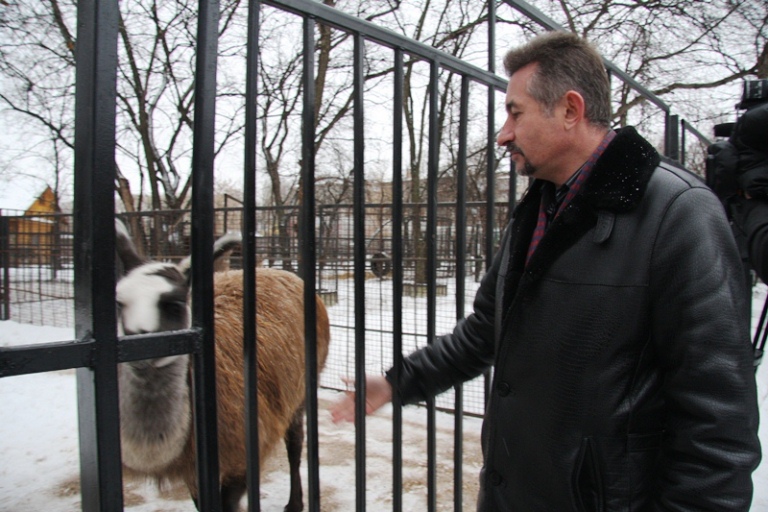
(38, 234)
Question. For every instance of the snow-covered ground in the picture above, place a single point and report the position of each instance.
(39, 465)
(39, 450)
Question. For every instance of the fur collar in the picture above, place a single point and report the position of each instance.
(620, 176)
(617, 184)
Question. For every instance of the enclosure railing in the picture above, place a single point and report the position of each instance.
(36, 250)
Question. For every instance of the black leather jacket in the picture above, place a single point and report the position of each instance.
(623, 377)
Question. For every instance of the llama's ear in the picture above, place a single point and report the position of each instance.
(125, 248)
(184, 267)
(221, 248)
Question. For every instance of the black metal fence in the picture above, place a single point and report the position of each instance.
(36, 269)
(353, 259)
(37, 274)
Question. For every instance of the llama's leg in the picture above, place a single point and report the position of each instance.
(231, 493)
(294, 441)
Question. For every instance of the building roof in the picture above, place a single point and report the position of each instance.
(18, 194)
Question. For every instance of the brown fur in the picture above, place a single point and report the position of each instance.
(280, 356)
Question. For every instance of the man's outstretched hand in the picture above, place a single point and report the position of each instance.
(378, 392)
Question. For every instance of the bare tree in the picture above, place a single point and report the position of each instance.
(154, 90)
(448, 26)
(693, 53)
(41, 89)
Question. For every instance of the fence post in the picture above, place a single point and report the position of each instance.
(672, 140)
(55, 247)
(95, 316)
(5, 235)
(307, 266)
(204, 371)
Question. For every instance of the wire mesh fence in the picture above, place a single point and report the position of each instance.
(37, 273)
(38, 278)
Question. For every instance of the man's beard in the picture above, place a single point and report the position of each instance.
(527, 168)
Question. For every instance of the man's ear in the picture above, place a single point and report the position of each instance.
(573, 102)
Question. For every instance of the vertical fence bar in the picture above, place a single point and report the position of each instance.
(432, 171)
(491, 129)
(682, 142)
(250, 353)
(359, 264)
(512, 201)
(5, 260)
(671, 141)
(204, 361)
(490, 164)
(461, 257)
(95, 316)
(397, 283)
(308, 256)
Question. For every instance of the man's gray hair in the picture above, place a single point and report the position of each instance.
(565, 62)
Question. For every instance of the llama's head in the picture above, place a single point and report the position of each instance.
(151, 296)
(154, 296)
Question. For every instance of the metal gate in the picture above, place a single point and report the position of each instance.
(96, 351)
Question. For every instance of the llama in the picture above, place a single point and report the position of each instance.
(155, 398)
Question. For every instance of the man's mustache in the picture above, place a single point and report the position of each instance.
(514, 148)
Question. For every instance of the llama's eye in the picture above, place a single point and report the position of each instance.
(174, 308)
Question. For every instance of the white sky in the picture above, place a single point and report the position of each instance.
(20, 192)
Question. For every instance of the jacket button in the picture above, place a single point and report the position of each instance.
(503, 388)
(495, 478)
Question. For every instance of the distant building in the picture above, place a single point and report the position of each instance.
(36, 232)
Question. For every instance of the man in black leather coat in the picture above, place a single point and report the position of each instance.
(613, 316)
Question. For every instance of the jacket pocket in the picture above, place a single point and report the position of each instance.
(587, 479)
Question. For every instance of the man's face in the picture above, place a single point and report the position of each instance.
(529, 133)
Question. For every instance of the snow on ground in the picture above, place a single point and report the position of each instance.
(760, 476)
(39, 465)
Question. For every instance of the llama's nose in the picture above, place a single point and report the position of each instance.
(130, 332)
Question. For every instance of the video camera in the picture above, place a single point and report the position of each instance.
(737, 170)
(738, 166)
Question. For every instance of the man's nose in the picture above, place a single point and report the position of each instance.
(506, 134)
